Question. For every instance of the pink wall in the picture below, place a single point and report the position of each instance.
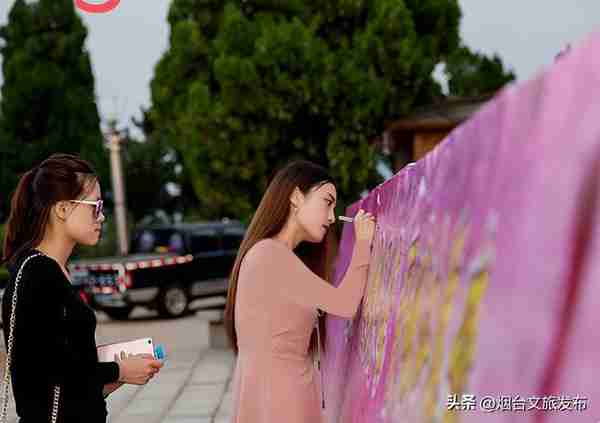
(485, 276)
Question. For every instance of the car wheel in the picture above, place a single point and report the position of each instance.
(173, 301)
(121, 313)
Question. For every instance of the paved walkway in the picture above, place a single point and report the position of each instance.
(193, 386)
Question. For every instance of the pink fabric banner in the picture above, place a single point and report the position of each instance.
(484, 285)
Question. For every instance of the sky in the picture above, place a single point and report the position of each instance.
(126, 43)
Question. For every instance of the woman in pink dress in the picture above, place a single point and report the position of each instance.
(277, 287)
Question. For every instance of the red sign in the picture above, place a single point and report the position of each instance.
(104, 7)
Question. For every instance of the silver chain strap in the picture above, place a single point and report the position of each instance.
(9, 347)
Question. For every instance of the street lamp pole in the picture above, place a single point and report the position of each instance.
(118, 185)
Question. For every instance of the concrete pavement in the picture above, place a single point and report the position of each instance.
(190, 388)
(193, 386)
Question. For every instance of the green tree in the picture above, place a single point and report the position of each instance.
(148, 168)
(247, 85)
(471, 74)
(48, 103)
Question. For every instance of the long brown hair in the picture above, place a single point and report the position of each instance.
(60, 177)
(269, 219)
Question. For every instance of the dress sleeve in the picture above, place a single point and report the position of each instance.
(304, 287)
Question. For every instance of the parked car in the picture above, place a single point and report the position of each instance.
(170, 266)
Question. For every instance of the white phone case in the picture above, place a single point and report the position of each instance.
(107, 352)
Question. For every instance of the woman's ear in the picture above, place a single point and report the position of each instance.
(61, 210)
(297, 198)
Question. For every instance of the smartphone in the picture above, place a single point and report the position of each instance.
(107, 352)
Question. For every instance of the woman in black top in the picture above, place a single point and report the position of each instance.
(56, 206)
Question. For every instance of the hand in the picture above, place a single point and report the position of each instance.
(150, 356)
(137, 369)
(364, 226)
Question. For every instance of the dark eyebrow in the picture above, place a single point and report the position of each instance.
(332, 197)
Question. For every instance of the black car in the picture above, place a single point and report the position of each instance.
(170, 266)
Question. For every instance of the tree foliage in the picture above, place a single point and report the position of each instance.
(249, 85)
(471, 74)
(48, 103)
(148, 168)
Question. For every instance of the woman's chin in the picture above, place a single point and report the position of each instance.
(91, 242)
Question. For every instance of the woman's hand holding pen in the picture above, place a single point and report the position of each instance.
(364, 226)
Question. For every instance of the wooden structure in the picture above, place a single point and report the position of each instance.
(411, 137)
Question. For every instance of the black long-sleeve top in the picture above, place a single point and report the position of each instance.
(54, 344)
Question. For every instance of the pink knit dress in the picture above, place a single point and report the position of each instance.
(275, 380)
